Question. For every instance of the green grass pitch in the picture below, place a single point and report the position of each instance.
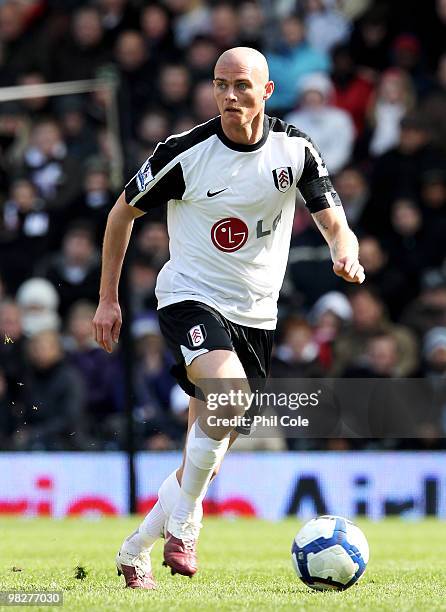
(244, 565)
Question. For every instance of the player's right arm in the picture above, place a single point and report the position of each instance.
(107, 321)
(159, 180)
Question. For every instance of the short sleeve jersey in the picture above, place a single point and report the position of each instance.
(230, 214)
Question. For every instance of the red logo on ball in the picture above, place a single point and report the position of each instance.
(229, 234)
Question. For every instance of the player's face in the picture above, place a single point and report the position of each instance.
(240, 93)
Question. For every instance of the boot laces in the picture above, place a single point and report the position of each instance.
(189, 534)
(142, 564)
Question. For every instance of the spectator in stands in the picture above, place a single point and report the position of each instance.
(136, 90)
(96, 109)
(389, 281)
(80, 55)
(380, 359)
(75, 269)
(202, 54)
(153, 128)
(352, 90)
(397, 173)
(109, 149)
(38, 301)
(297, 353)
(370, 39)
(189, 19)
(434, 353)
(406, 55)
(433, 197)
(101, 374)
(48, 165)
(429, 308)
(94, 202)
(225, 26)
(54, 399)
(174, 89)
(352, 187)
(158, 34)
(331, 128)
(432, 27)
(369, 319)
(325, 25)
(434, 104)
(394, 99)
(142, 280)
(330, 314)
(290, 59)
(153, 387)
(116, 17)
(14, 133)
(251, 24)
(27, 232)
(80, 139)
(152, 241)
(39, 107)
(309, 272)
(415, 244)
(23, 43)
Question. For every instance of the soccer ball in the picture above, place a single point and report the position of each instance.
(330, 553)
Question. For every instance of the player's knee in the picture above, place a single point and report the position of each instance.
(231, 401)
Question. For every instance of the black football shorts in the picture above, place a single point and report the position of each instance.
(191, 329)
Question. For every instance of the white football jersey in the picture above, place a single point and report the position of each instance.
(230, 214)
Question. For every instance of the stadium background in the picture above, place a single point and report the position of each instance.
(367, 80)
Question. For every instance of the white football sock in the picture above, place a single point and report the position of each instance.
(203, 454)
(147, 533)
(169, 493)
(152, 527)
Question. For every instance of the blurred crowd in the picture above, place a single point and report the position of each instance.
(365, 79)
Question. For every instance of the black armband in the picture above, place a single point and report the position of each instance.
(319, 194)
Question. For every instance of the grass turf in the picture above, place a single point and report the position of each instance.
(245, 565)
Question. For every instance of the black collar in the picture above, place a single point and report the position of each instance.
(235, 146)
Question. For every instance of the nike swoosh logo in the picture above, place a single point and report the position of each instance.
(211, 194)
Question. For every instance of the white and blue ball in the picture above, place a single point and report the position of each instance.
(330, 553)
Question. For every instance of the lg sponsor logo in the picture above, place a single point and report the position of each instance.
(230, 234)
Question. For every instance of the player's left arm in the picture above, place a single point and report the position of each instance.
(343, 243)
(326, 209)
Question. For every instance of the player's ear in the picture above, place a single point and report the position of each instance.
(269, 88)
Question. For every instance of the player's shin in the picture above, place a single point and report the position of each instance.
(203, 455)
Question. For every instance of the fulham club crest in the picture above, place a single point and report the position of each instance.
(283, 178)
(196, 335)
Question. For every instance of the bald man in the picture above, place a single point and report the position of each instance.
(230, 186)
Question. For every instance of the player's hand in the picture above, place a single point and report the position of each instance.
(107, 324)
(349, 269)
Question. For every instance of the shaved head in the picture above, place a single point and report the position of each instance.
(244, 59)
(241, 89)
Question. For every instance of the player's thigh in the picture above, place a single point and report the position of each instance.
(216, 364)
(222, 379)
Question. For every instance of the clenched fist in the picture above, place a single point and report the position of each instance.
(349, 269)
